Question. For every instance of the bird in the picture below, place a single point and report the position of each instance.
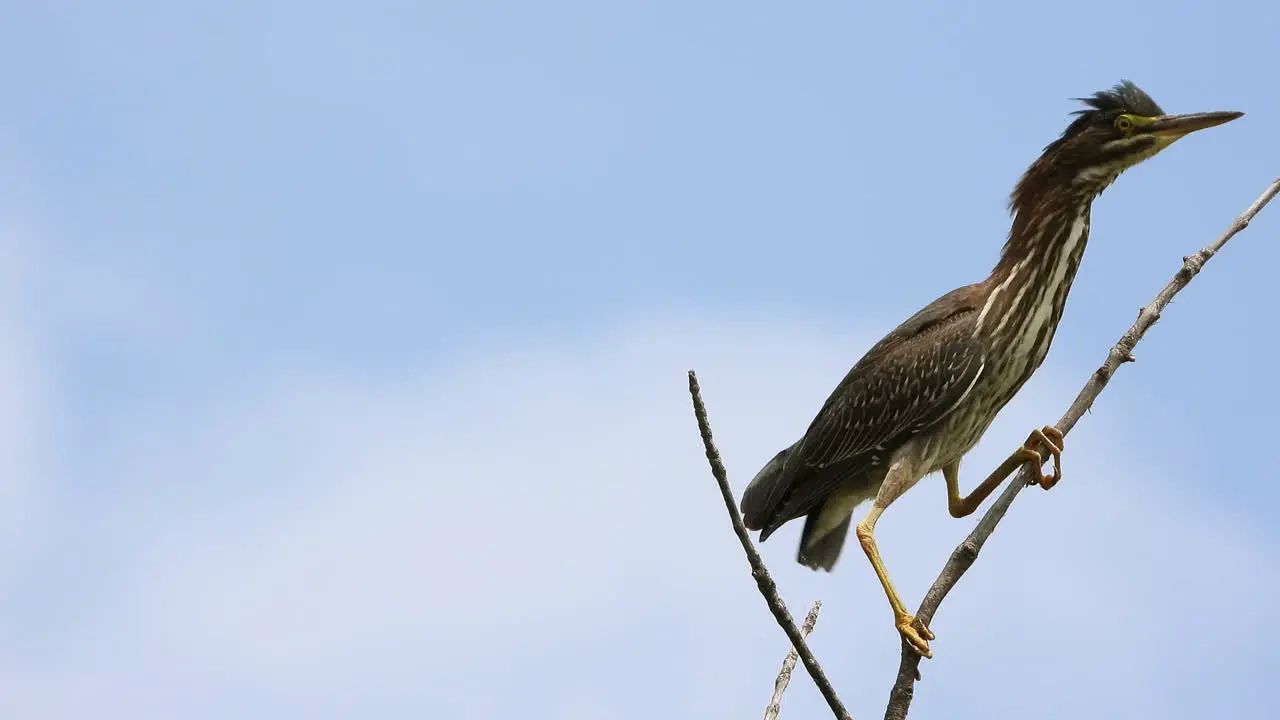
(924, 395)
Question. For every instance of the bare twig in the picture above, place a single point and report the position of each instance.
(763, 581)
(789, 664)
(964, 555)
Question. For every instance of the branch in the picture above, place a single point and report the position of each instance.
(763, 581)
(789, 664)
(964, 555)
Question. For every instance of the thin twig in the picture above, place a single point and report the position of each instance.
(964, 555)
(789, 664)
(763, 581)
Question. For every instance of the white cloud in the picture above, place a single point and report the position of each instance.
(24, 404)
(534, 532)
(26, 412)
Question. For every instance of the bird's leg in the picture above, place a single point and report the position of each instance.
(917, 637)
(962, 506)
(1048, 438)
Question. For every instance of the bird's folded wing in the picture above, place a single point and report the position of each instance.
(892, 394)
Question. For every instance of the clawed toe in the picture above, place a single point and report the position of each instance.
(1048, 440)
(916, 637)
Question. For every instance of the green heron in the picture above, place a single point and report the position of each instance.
(924, 395)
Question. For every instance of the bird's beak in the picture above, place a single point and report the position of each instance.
(1172, 127)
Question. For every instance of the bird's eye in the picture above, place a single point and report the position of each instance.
(1124, 124)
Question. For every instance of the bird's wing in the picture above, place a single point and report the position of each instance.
(903, 391)
(906, 383)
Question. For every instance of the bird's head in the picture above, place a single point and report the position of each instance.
(1118, 129)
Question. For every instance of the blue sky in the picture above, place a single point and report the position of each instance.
(345, 349)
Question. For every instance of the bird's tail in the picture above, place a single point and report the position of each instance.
(820, 551)
(827, 526)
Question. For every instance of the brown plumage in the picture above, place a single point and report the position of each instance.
(924, 395)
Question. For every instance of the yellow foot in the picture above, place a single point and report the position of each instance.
(1041, 445)
(916, 635)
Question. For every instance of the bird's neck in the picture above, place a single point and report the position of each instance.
(1042, 228)
(1026, 292)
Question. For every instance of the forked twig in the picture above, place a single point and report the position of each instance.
(789, 664)
(763, 581)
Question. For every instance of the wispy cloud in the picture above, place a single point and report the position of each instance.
(24, 401)
(533, 531)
